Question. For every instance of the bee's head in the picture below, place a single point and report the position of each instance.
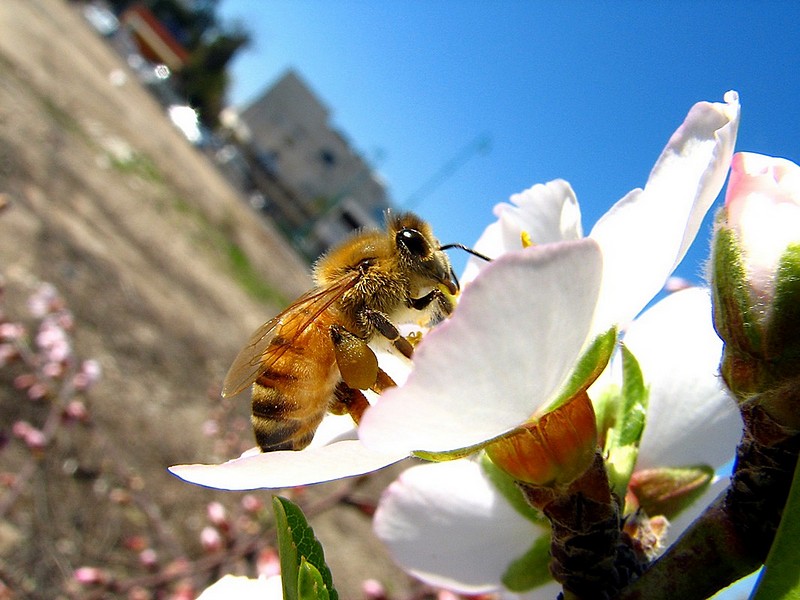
(420, 252)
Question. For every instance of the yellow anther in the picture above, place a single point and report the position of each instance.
(526, 239)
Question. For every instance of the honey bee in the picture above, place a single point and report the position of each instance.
(314, 357)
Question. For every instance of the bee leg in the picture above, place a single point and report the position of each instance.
(348, 401)
(357, 362)
(387, 329)
(445, 304)
(383, 382)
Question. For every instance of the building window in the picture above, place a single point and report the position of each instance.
(327, 158)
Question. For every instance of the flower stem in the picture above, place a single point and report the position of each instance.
(732, 537)
(591, 556)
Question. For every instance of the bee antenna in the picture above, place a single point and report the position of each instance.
(466, 249)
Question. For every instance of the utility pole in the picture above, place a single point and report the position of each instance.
(480, 145)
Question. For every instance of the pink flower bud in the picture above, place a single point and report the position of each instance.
(763, 207)
(372, 589)
(37, 391)
(149, 558)
(210, 539)
(76, 411)
(90, 576)
(268, 563)
(21, 428)
(43, 300)
(24, 381)
(251, 503)
(88, 375)
(35, 439)
(11, 331)
(52, 369)
(217, 514)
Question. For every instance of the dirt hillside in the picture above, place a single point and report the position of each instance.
(156, 256)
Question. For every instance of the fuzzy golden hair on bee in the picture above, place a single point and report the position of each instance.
(315, 356)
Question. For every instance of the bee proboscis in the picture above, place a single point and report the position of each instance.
(314, 357)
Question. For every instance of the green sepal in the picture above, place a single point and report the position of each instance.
(623, 437)
(296, 544)
(783, 329)
(588, 368)
(779, 578)
(530, 570)
(310, 585)
(668, 491)
(505, 484)
(458, 453)
(735, 321)
(605, 403)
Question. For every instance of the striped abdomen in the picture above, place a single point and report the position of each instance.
(291, 397)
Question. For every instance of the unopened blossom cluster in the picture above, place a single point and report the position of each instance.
(510, 352)
(49, 367)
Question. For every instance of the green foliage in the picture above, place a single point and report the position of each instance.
(530, 570)
(506, 485)
(588, 368)
(310, 585)
(780, 577)
(628, 419)
(304, 574)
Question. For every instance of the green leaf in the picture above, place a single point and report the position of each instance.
(622, 439)
(505, 484)
(780, 577)
(531, 569)
(310, 585)
(297, 543)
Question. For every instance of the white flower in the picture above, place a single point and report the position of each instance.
(530, 311)
(522, 323)
(330, 456)
(448, 525)
(243, 588)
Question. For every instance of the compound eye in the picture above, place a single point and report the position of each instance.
(414, 241)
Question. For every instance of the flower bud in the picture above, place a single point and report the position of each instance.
(756, 275)
(552, 450)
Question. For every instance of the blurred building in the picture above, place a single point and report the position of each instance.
(314, 183)
(156, 43)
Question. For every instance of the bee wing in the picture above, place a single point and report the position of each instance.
(257, 356)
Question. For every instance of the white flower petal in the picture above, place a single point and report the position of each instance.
(691, 419)
(447, 525)
(646, 234)
(546, 212)
(334, 428)
(284, 469)
(243, 588)
(515, 335)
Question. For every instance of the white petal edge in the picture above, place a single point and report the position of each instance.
(447, 525)
(516, 334)
(646, 234)
(546, 212)
(274, 470)
(691, 419)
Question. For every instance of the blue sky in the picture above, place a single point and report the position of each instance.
(585, 91)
